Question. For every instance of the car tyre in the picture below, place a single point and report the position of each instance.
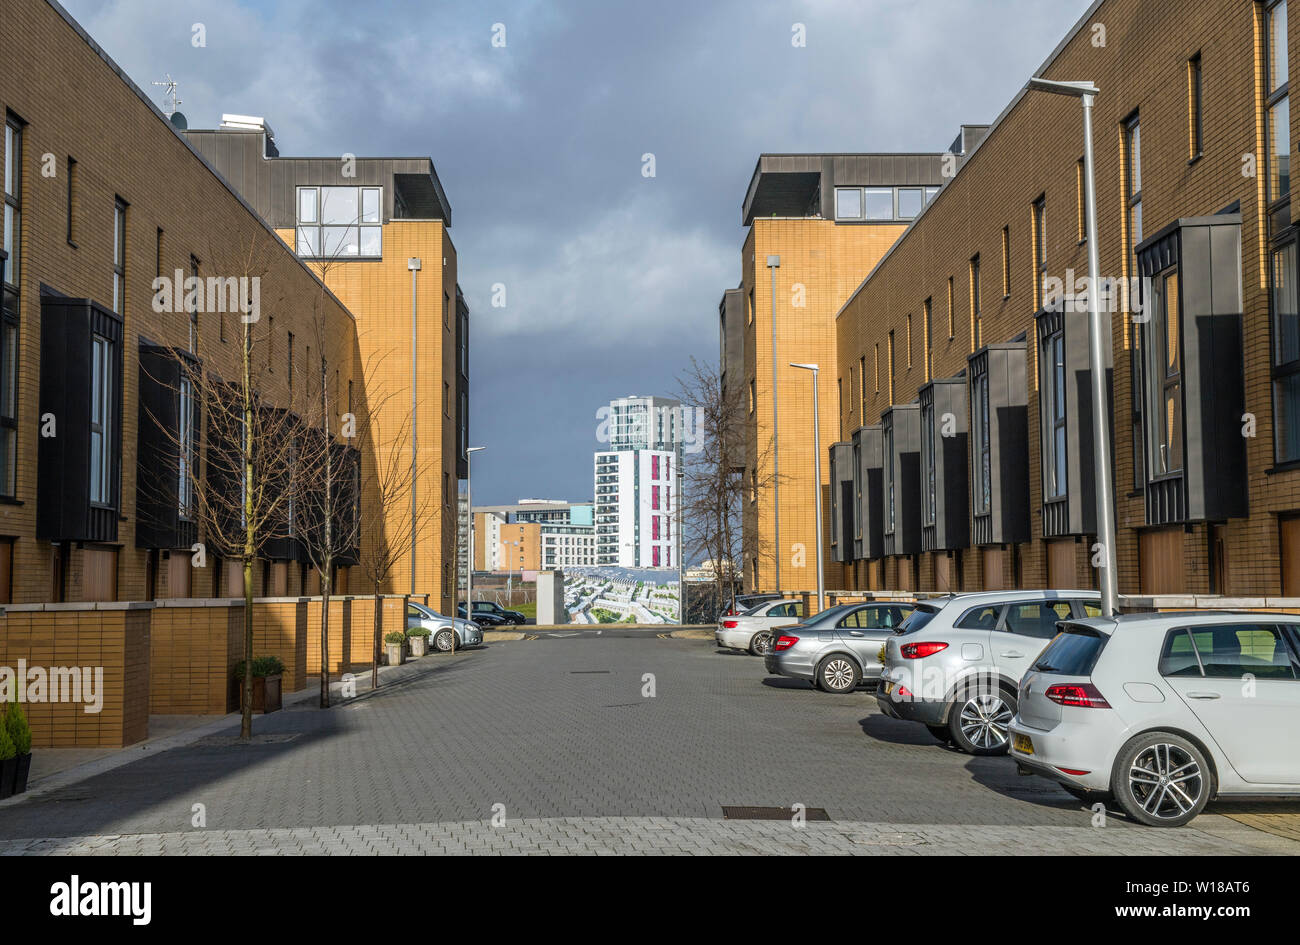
(978, 720)
(837, 673)
(760, 644)
(442, 640)
(1161, 780)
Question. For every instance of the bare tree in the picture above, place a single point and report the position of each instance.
(714, 486)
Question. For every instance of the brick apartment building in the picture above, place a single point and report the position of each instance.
(102, 195)
(824, 219)
(964, 453)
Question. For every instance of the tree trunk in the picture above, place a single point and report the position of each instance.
(379, 623)
(246, 724)
(325, 587)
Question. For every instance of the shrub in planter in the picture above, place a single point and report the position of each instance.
(8, 763)
(267, 673)
(394, 642)
(20, 733)
(418, 637)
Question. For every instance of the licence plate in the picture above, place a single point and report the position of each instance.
(1023, 743)
(889, 687)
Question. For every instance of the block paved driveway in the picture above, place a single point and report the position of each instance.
(557, 731)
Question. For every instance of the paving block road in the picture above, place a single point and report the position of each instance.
(588, 742)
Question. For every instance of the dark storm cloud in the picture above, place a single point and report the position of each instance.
(612, 280)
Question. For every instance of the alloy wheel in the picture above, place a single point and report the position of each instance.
(984, 720)
(1166, 781)
(443, 640)
(762, 644)
(838, 674)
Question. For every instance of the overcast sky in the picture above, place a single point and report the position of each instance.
(612, 279)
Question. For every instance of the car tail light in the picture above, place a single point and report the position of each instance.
(784, 642)
(902, 692)
(1077, 772)
(916, 651)
(1079, 695)
(729, 624)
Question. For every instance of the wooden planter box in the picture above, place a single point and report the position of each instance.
(266, 693)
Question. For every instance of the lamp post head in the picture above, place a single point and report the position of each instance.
(474, 449)
(413, 264)
(806, 367)
(774, 262)
(1055, 87)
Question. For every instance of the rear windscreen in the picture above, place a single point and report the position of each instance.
(917, 619)
(1072, 653)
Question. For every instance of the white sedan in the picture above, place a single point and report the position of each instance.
(748, 631)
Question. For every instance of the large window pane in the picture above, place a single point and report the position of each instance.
(909, 202)
(370, 205)
(371, 243)
(848, 203)
(1286, 306)
(339, 241)
(1279, 149)
(1286, 412)
(308, 241)
(1277, 64)
(880, 203)
(339, 205)
(307, 205)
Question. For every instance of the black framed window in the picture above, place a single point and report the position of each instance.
(888, 453)
(72, 200)
(1052, 410)
(1133, 179)
(13, 170)
(1285, 303)
(1277, 102)
(1164, 375)
(193, 310)
(975, 313)
(1040, 249)
(103, 398)
(119, 255)
(929, 474)
(187, 467)
(9, 307)
(1195, 111)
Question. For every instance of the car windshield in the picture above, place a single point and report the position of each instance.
(917, 619)
(753, 610)
(1073, 652)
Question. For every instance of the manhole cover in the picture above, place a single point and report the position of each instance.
(772, 813)
(226, 741)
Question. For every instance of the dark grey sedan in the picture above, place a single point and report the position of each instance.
(837, 649)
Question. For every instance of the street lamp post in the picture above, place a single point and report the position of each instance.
(1097, 337)
(413, 264)
(817, 484)
(774, 263)
(469, 540)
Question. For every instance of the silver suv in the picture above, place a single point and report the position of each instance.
(955, 664)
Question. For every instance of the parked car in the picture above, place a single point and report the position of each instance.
(746, 602)
(1160, 713)
(838, 648)
(467, 632)
(955, 665)
(491, 609)
(752, 629)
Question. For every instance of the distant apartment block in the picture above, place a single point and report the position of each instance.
(636, 507)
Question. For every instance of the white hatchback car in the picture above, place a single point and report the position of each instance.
(749, 631)
(1162, 712)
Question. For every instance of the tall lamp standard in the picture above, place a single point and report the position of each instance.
(413, 264)
(774, 263)
(1097, 337)
(817, 484)
(469, 532)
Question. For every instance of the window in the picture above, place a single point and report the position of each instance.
(890, 367)
(910, 200)
(980, 618)
(888, 451)
(848, 203)
(1040, 249)
(753, 397)
(909, 341)
(927, 339)
(1195, 129)
(1081, 199)
(952, 323)
(1133, 180)
(751, 307)
(1164, 373)
(72, 200)
(289, 366)
(880, 203)
(339, 222)
(1037, 619)
(1052, 410)
(928, 471)
(981, 443)
(877, 369)
(1277, 101)
(119, 255)
(101, 430)
(1006, 261)
(1286, 352)
(1229, 651)
(862, 385)
(930, 193)
(9, 308)
(194, 308)
(975, 303)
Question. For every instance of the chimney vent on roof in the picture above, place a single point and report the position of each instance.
(252, 123)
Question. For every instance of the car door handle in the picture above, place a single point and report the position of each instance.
(1204, 695)
(856, 633)
(1012, 654)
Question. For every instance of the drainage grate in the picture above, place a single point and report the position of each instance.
(772, 813)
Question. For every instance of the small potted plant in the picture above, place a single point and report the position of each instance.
(267, 673)
(20, 733)
(418, 637)
(8, 763)
(394, 645)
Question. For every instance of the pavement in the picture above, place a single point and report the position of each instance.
(627, 742)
